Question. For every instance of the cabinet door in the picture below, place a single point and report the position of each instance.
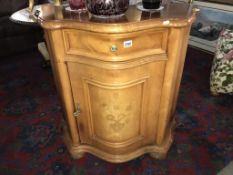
(119, 107)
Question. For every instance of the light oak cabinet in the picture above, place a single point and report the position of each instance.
(118, 80)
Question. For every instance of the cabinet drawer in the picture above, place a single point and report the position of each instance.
(115, 47)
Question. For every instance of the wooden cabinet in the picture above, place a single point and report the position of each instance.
(118, 81)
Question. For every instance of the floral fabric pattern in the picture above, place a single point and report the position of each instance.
(221, 77)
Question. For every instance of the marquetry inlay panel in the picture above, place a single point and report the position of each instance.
(116, 111)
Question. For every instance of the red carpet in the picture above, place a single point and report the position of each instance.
(31, 115)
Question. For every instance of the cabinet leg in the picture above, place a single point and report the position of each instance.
(77, 156)
(214, 93)
(158, 155)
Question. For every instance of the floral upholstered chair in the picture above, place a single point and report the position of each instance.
(221, 77)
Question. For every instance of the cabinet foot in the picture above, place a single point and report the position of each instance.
(214, 93)
(158, 155)
(77, 156)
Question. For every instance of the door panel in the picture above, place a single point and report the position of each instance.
(116, 111)
(115, 104)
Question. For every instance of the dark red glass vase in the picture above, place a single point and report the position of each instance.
(77, 4)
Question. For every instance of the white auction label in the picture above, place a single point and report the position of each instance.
(128, 44)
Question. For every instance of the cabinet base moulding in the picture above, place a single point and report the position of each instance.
(77, 151)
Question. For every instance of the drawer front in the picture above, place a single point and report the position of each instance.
(115, 47)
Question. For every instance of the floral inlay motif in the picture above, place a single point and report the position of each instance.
(118, 122)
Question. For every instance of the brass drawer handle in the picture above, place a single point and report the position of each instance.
(113, 48)
(77, 112)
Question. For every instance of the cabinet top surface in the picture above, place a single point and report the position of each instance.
(172, 15)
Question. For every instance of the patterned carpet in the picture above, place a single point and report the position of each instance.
(30, 119)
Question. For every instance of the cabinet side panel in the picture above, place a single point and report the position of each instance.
(56, 52)
(177, 46)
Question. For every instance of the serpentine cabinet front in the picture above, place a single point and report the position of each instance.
(118, 89)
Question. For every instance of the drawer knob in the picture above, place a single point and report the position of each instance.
(113, 48)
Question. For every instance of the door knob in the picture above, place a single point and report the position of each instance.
(77, 112)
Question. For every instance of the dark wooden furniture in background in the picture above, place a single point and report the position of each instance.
(14, 37)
